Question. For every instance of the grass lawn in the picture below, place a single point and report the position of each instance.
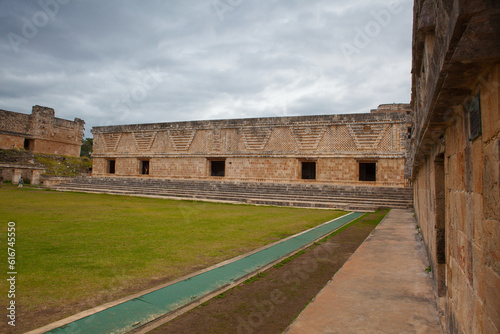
(74, 247)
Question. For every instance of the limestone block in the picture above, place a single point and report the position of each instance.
(460, 177)
(451, 142)
(490, 104)
(492, 302)
(492, 244)
(465, 307)
(452, 180)
(479, 263)
(477, 219)
(491, 176)
(477, 319)
(477, 166)
(461, 216)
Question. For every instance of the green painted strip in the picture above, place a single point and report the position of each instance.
(124, 317)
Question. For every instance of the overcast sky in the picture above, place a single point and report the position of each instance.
(122, 62)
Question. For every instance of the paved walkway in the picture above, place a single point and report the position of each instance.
(136, 311)
(383, 288)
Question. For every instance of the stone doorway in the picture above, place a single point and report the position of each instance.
(28, 144)
(218, 168)
(145, 167)
(111, 166)
(368, 171)
(308, 170)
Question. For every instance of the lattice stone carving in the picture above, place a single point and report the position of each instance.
(217, 140)
(342, 140)
(367, 136)
(111, 141)
(386, 142)
(255, 138)
(144, 140)
(181, 139)
(281, 140)
(308, 137)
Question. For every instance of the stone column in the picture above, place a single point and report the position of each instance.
(35, 176)
(16, 174)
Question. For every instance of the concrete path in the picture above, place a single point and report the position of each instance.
(383, 288)
(140, 309)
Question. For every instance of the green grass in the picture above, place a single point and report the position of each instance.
(255, 278)
(74, 247)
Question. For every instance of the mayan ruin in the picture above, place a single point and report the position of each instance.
(357, 149)
(41, 132)
(229, 186)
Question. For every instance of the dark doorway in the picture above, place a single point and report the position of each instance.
(308, 170)
(145, 167)
(28, 144)
(368, 171)
(111, 166)
(440, 209)
(217, 168)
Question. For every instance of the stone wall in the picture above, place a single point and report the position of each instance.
(8, 141)
(41, 132)
(14, 122)
(262, 149)
(454, 156)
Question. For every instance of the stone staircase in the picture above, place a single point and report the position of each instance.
(363, 198)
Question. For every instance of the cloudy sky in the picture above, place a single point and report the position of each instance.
(122, 62)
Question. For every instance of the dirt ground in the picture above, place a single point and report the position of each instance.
(269, 302)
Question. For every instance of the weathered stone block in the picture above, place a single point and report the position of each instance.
(477, 219)
(477, 319)
(491, 179)
(479, 263)
(492, 290)
(492, 244)
(490, 104)
(477, 166)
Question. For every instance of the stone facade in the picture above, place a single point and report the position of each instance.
(41, 132)
(323, 149)
(454, 158)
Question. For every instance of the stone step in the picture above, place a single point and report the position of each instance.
(308, 195)
(369, 191)
(200, 193)
(257, 201)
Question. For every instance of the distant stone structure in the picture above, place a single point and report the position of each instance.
(356, 149)
(454, 158)
(41, 132)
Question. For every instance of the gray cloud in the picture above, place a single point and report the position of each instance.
(117, 62)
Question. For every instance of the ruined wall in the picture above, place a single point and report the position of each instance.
(454, 156)
(13, 128)
(265, 149)
(44, 132)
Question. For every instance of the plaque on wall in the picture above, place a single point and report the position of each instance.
(474, 110)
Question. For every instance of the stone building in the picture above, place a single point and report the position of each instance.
(454, 158)
(41, 132)
(356, 149)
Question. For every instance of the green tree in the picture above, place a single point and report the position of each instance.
(86, 147)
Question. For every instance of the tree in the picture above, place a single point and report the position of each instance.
(86, 147)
